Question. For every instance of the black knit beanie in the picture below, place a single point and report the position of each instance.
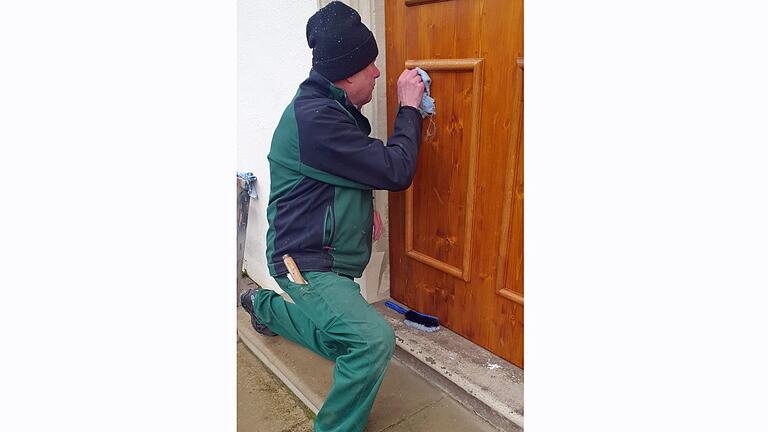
(341, 44)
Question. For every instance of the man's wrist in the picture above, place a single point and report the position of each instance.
(415, 109)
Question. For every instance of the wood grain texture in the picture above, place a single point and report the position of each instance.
(456, 246)
(439, 245)
(509, 279)
(479, 307)
(420, 2)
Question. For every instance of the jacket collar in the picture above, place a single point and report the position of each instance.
(324, 88)
(320, 86)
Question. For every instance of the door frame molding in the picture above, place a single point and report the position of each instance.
(475, 65)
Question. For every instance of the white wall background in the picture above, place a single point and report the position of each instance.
(273, 59)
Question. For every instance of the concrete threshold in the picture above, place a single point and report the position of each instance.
(406, 402)
(480, 380)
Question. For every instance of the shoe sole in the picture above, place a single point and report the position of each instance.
(259, 327)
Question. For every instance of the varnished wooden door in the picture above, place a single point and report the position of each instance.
(456, 243)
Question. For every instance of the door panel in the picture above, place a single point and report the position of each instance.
(456, 244)
(443, 239)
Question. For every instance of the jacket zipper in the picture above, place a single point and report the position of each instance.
(329, 228)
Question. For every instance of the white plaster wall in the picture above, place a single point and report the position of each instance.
(273, 59)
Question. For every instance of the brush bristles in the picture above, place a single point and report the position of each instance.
(425, 320)
(421, 327)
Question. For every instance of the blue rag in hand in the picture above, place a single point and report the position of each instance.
(427, 107)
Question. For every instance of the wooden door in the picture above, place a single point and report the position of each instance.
(456, 235)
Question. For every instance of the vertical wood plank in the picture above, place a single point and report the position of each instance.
(490, 30)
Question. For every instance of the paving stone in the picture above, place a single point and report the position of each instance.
(402, 393)
(445, 415)
(405, 402)
(264, 403)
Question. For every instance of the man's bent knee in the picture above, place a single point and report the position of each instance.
(382, 343)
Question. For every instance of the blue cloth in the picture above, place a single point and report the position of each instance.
(250, 181)
(427, 102)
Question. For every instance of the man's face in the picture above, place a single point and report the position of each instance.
(362, 84)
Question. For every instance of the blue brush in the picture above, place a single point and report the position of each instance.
(427, 323)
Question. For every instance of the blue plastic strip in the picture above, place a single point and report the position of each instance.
(395, 307)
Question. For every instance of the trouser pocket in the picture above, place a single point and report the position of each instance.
(310, 300)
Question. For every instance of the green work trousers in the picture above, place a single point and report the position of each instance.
(331, 318)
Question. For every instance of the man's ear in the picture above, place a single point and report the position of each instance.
(344, 81)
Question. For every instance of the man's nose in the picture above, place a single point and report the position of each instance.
(376, 72)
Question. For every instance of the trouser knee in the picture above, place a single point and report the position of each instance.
(382, 343)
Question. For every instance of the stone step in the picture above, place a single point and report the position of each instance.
(406, 401)
(480, 380)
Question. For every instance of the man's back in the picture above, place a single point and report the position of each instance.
(323, 167)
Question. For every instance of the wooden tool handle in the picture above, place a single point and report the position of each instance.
(294, 270)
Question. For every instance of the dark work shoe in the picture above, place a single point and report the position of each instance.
(246, 301)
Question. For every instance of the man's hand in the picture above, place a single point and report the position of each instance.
(410, 88)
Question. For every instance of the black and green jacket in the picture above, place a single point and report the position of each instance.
(323, 168)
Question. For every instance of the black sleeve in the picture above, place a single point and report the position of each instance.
(331, 142)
